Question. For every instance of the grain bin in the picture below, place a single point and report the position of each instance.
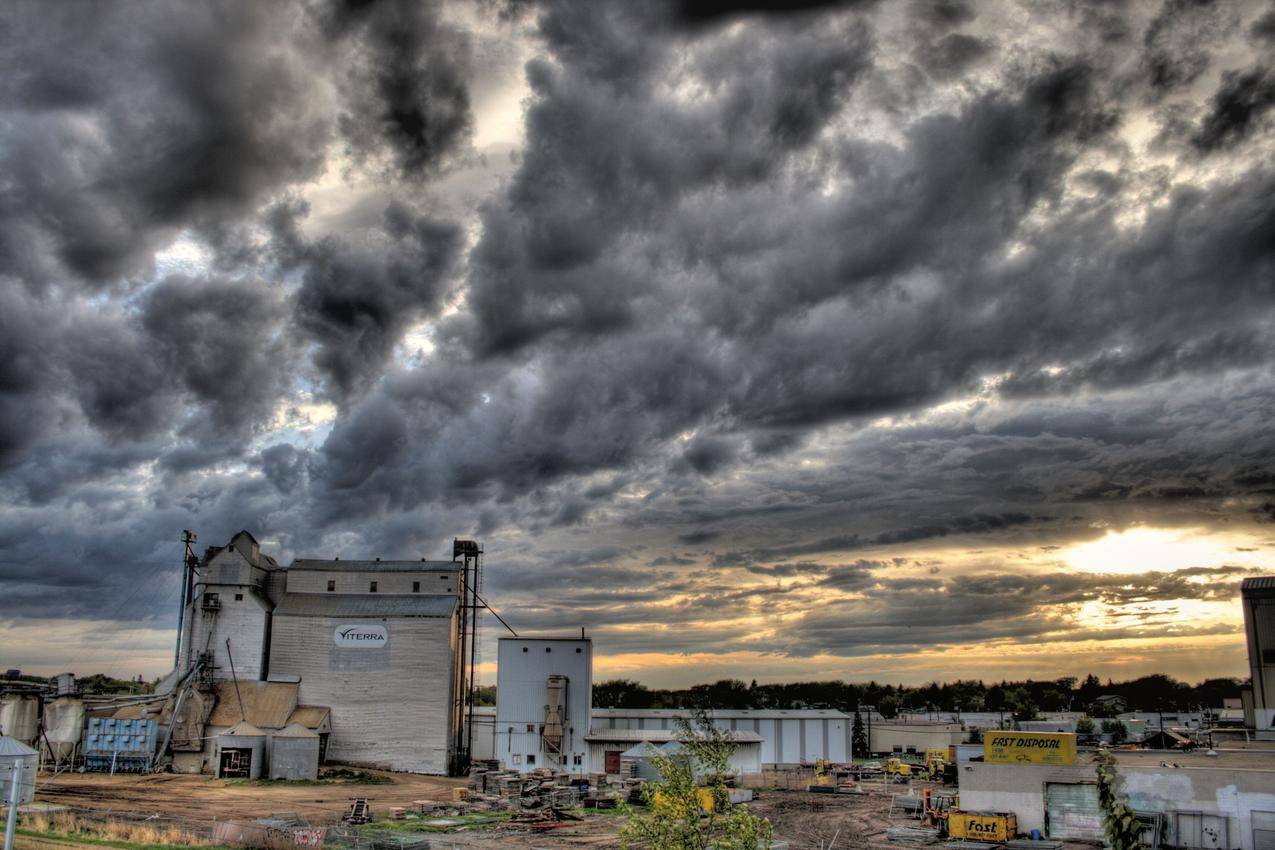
(63, 727)
(17, 759)
(20, 717)
(294, 753)
(241, 752)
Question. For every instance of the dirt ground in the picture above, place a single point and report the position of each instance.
(200, 798)
(806, 821)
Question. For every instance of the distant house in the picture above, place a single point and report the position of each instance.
(1113, 703)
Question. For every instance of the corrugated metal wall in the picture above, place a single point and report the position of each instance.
(787, 737)
(1072, 811)
(393, 709)
(523, 669)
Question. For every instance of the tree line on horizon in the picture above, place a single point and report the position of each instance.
(1023, 699)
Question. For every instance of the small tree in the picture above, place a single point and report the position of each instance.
(858, 737)
(1084, 726)
(1121, 824)
(677, 817)
(1119, 734)
(976, 736)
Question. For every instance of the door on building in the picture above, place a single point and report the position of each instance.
(612, 762)
(1072, 811)
(1196, 829)
(235, 764)
(1263, 830)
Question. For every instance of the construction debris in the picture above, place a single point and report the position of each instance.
(360, 811)
(1029, 844)
(912, 834)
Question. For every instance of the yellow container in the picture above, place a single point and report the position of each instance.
(940, 755)
(982, 826)
(704, 796)
(1029, 747)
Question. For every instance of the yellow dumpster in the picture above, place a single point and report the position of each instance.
(997, 827)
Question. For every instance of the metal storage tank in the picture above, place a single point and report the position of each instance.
(63, 727)
(20, 717)
(294, 753)
(241, 752)
(20, 761)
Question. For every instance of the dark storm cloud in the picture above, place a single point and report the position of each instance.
(1179, 41)
(122, 126)
(953, 54)
(406, 94)
(976, 524)
(701, 11)
(359, 294)
(1263, 29)
(1239, 103)
(1012, 152)
(554, 258)
(739, 259)
(224, 341)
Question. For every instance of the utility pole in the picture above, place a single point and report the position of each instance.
(15, 794)
(188, 558)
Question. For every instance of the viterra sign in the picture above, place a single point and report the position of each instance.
(1030, 747)
(362, 637)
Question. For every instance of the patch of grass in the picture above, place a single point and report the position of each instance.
(473, 820)
(124, 835)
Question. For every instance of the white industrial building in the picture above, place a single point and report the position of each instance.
(544, 688)
(1211, 802)
(913, 738)
(1258, 599)
(378, 645)
(788, 736)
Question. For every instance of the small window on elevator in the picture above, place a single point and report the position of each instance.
(331, 585)
(416, 587)
(372, 589)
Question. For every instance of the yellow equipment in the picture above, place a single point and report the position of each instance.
(942, 809)
(823, 776)
(704, 802)
(935, 806)
(934, 768)
(899, 769)
(997, 827)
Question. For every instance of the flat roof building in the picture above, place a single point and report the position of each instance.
(1257, 595)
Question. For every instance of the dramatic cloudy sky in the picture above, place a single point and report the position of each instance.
(896, 340)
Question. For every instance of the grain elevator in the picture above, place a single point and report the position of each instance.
(380, 652)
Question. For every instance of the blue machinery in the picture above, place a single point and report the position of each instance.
(120, 746)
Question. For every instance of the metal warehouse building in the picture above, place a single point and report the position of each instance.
(794, 736)
(1258, 597)
(917, 737)
(377, 647)
(607, 747)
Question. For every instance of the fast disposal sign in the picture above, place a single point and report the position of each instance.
(359, 636)
(1030, 747)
